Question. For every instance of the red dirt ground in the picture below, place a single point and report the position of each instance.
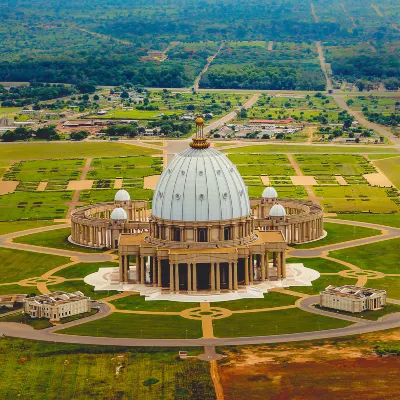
(352, 378)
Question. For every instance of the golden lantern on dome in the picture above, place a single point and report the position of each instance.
(199, 141)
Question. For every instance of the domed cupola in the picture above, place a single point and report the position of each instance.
(277, 211)
(118, 214)
(270, 194)
(122, 195)
(200, 184)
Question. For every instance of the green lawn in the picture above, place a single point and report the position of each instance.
(381, 256)
(271, 299)
(137, 114)
(319, 264)
(26, 319)
(17, 264)
(369, 314)
(139, 326)
(83, 269)
(391, 168)
(55, 371)
(322, 282)
(17, 289)
(107, 195)
(311, 149)
(381, 219)
(274, 323)
(17, 226)
(36, 151)
(338, 233)
(137, 302)
(81, 286)
(389, 283)
(56, 239)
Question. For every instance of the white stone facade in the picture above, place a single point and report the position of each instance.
(57, 305)
(352, 298)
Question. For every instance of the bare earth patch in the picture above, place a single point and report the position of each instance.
(42, 186)
(150, 182)
(341, 180)
(378, 179)
(304, 180)
(118, 184)
(265, 180)
(8, 186)
(80, 185)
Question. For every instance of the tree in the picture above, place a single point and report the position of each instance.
(124, 95)
(243, 113)
(80, 135)
(86, 88)
(96, 97)
(47, 133)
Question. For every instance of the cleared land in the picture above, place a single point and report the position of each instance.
(391, 168)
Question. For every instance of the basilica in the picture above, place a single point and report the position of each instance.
(203, 233)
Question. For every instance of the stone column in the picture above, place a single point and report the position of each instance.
(218, 265)
(251, 269)
(246, 270)
(121, 268)
(189, 278)
(159, 281)
(275, 260)
(212, 276)
(235, 276)
(126, 270)
(177, 278)
(153, 267)
(283, 264)
(230, 276)
(279, 267)
(143, 270)
(194, 267)
(263, 267)
(138, 268)
(267, 264)
(171, 277)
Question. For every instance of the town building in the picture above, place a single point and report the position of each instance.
(203, 233)
(352, 298)
(57, 305)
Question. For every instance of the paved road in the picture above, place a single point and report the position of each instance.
(324, 67)
(390, 233)
(363, 121)
(6, 241)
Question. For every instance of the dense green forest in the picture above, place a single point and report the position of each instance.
(106, 41)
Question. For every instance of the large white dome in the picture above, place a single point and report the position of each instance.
(118, 213)
(277, 210)
(270, 193)
(200, 185)
(122, 195)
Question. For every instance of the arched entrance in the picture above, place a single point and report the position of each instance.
(203, 276)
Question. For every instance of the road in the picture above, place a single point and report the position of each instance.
(363, 121)
(324, 67)
(12, 329)
(204, 70)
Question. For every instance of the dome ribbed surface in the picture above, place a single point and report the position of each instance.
(277, 210)
(270, 193)
(122, 195)
(200, 185)
(118, 213)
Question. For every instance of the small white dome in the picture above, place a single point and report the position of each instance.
(277, 210)
(119, 213)
(122, 195)
(270, 193)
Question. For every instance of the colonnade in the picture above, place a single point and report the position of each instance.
(251, 269)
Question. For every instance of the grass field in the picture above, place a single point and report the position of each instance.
(391, 168)
(274, 323)
(271, 299)
(137, 114)
(56, 239)
(337, 233)
(257, 149)
(107, 195)
(26, 319)
(17, 264)
(139, 326)
(40, 151)
(323, 282)
(81, 286)
(137, 302)
(381, 219)
(16, 226)
(64, 372)
(81, 270)
(319, 264)
(381, 256)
